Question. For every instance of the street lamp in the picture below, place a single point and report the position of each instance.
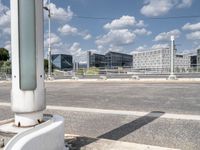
(49, 48)
(28, 101)
(172, 76)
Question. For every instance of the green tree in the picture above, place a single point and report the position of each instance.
(4, 54)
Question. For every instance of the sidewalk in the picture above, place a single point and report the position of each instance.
(146, 80)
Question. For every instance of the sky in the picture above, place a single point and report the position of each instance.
(126, 26)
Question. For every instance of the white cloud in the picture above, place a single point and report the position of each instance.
(120, 32)
(146, 48)
(67, 30)
(142, 31)
(141, 48)
(5, 27)
(165, 36)
(58, 13)
(157, 46)
(6, 30)
(153, 8)
(55, 40)
(87, 37)
(193, 36)
(184, 4)
(78, 53)
(7, 45)
(116, 37)
(123, 22)
(140, 24)
(193, 27)
(4, 20)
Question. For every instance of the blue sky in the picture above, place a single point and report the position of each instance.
(127, 25)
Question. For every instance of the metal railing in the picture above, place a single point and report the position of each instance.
(191, 71)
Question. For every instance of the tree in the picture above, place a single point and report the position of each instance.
(4, 54)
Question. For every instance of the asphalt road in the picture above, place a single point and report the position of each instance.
(166, 97)
(176, 98)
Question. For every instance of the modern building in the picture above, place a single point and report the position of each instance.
(159, 60)
(115, 59)
(96, 60)
(62, 61)
(182, 62)
(198, 59)
(109, 60)
(193, 60)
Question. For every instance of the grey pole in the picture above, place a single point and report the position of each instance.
(172, 76)
(49, 49)
(172, 55)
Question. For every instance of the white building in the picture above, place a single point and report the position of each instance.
(159, 60)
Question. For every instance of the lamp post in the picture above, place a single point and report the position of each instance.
(172, 76)
(49, 48)
(28, 101)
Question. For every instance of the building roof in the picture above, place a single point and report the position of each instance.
(118, 53)
(62, 54)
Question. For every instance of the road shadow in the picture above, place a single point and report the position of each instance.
(119, 132)
(132, 126)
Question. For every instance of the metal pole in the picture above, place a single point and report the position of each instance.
(49, 49)
(28, 92)
(172, 55)
(172, 76)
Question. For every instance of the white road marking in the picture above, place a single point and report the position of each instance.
(121, 112)
(102, 144)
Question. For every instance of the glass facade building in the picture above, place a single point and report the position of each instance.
(193, 61)
(115, 59)
(110, 60)
(62, 62)
(96, 60)
(198, 59)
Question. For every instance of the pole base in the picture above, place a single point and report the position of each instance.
(172, 77)
(50, 78)
(48, 135)
(28, 119)
(135, 77)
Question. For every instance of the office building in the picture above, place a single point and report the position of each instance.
(62, 62)
(96, 60)
(115, 59)
(159, 60)
(109, 60)
(193, 60)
